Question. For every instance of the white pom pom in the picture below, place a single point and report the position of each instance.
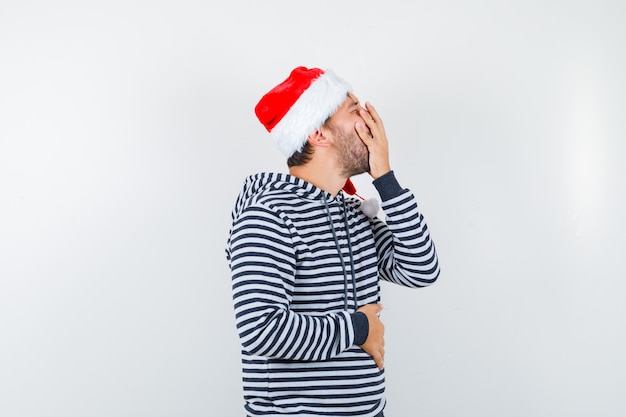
(370, 207)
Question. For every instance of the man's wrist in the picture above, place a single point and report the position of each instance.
(388, 186)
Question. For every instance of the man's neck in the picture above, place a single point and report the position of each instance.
(326, 180)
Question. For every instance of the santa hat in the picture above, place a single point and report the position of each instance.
(299, 105)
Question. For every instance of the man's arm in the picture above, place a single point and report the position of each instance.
(406, 253)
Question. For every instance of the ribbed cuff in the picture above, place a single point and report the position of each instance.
(388, 186)
(361, 326)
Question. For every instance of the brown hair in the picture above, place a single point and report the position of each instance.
(301, 157)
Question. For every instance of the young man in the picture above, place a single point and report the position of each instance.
(306, 259)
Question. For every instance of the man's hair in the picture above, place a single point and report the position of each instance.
(301, 157)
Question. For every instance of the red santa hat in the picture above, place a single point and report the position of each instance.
(299, 105)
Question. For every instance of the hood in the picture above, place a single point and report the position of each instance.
(257, 185)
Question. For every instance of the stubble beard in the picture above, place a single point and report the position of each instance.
(353, 155)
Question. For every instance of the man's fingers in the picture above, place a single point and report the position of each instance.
(379, 361)
(373, 113)
(368, 119)
(371, 116)
(372, 130)
(361, 128)
(364, 133)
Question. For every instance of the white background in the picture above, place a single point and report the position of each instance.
(127, 128)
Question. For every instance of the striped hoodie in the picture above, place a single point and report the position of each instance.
(302, 261)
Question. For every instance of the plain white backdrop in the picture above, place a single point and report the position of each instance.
(127, 128)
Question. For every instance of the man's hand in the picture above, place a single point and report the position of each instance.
(374, 136)
(375, 343)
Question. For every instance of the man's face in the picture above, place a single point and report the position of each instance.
(352, 154)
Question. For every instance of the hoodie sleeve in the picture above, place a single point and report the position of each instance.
(262, 260)
(406, 252)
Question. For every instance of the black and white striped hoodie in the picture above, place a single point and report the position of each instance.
(302, 262)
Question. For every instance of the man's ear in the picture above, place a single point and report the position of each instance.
(318, 138)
